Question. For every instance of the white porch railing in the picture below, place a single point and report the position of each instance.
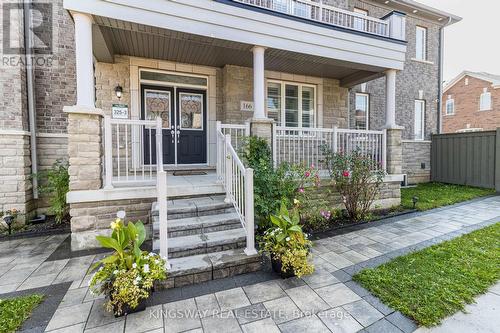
(125, 158)
(304, 145)
(238, 183)
(316, 10)
(237, 132)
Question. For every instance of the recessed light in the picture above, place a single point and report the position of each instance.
(387, 2)
(415, 11)
(440, 19)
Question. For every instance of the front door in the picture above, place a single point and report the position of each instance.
(184, 124)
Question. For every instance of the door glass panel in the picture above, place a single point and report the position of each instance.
(307, 106)
(173, 78)
(291, 106)
(157, 101)
(191, 111)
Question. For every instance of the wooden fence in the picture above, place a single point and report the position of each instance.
(467, 158)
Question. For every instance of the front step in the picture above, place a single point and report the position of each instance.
(204, 243)
(206, 267)
(199, 225)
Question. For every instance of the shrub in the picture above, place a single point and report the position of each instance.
(354, 178)
(56, 185)
(271, 185)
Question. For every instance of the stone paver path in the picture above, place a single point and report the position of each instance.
(327, 301)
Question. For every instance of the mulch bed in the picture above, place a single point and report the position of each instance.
(49, 227)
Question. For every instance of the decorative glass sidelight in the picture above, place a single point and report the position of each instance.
(191, 110)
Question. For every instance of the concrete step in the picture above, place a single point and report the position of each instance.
(204, 243)
(198, 225)
(210, 266)
(194, 207)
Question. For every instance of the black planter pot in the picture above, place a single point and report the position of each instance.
(126, 309)
(277, 267)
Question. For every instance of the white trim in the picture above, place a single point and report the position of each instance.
(487, 106)
(478, 76)
(448, 101)
(416, 141)
(424, 106)
(423, 61)
(52, 135)
(424, 42)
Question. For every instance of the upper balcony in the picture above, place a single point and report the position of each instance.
(390, 26)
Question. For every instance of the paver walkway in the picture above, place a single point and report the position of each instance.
(327, 301)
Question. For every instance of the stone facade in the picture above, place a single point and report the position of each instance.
(417, 161)
(394, 152)
(418, 81)
(466, 99)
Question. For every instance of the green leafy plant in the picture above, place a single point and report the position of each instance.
(126, 276)
(286, 242)
(271, 185)
(357, 178)
(55, 183)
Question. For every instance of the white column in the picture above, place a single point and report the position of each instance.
(84, 60)
(259, 83)
(390, 103)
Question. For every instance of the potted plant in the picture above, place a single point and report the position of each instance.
(127, 276)
(287, 245)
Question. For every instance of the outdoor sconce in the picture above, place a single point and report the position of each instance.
(414, 200)
(9, 219)
(119, 91)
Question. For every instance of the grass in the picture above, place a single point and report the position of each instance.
(434, 195)
(436, 282)
(13, 312)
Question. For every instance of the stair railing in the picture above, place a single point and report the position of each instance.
(238, 184)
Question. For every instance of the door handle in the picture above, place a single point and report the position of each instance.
(172, 133)
(178, 134)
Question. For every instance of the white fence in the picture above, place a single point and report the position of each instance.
(238, 183)
(237, 132)
(317, 11)
(305, 145)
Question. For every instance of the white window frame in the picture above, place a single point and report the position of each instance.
(282, 112)
(423, 55)
(482, 103)
(423, 105)
(367, 121)
(450, 101)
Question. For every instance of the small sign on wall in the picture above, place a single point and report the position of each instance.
(246, 106)
(119, 111)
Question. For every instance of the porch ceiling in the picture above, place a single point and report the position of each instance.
(113, 36)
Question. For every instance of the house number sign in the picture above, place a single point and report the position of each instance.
(120, 111)
(246, 106)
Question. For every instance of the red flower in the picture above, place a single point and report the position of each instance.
(307, 174)
(345, 173)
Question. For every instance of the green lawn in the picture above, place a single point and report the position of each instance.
(13, 312)
(434, 195)
(436, 282)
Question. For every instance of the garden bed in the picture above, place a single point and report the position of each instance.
(49, 227)
(13, 312)
(436, 282)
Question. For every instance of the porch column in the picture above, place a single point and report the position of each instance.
(390, 91)
(84, 60)
(261, 126)
(394, 158)
(259, 83)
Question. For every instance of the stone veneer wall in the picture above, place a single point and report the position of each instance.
(414, 154)
(415, 77)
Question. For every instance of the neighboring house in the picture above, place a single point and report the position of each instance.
(351, 74)
(471, 102)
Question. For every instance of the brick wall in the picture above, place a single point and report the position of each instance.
(467, 114)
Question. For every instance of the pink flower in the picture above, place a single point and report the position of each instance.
(307, 174)
(345, 173)
(312, 166)
(301, 190)
(326, 214)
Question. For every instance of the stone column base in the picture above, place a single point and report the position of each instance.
(394, 151)
(262, 128)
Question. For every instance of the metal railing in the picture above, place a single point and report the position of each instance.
(320, 12)
(238, 183)
(305, 145)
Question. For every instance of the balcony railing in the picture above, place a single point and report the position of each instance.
(316, 10)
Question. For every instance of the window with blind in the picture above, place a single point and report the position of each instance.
(291, 104)
(362, 110)
(421, 43)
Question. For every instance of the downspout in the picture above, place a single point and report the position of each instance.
(28, 42)
(440, 77)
